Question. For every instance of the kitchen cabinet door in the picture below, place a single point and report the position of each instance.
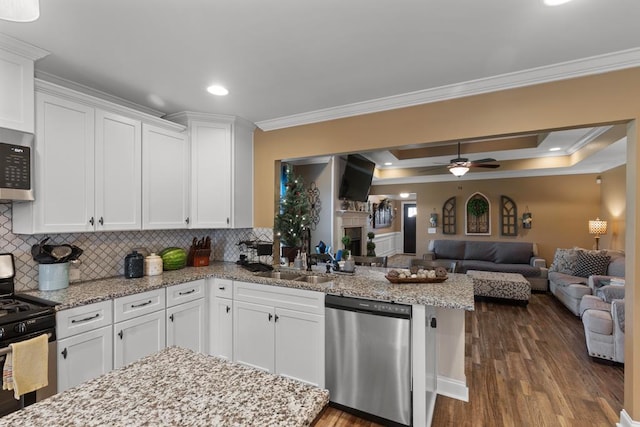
(253, 342)
(211, 175)
(16, 87)
(84, 356)
(165, 179)
(118, 165)
(221, 327)
(138, 337)
(64, 175)
(185, 325)
(299, 346)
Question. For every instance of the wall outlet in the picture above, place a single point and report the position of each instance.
(74, 274)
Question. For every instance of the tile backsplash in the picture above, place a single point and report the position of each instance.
(104, 252)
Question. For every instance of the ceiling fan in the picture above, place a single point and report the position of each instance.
(460, 165)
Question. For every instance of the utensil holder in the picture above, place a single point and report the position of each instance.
(52, 277)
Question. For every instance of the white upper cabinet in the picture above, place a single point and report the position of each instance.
(118, 163)
(64, 170)
(221, 170)
(165, 179)
(16, 83)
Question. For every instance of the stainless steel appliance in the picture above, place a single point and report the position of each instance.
(368, 358)
(24, 317)
(16, 165)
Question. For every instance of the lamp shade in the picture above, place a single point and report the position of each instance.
(597, 226)
(19, 10)
(458, 170)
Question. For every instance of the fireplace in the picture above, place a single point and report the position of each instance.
(355, 248)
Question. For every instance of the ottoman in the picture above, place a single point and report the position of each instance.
(504, 286)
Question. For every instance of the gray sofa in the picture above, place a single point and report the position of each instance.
(503, 257)
(570, 285)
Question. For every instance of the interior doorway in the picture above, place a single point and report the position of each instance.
(409, 213)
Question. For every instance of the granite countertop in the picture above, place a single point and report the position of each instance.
(368, 282)
(179, 387)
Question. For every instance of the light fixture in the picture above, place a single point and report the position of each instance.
(216, 90)
(597, 226)
(555, 149)
(388, 163)
(598, 179)
(555, 2)
(458, 170)
(19, 10)
(404, 195)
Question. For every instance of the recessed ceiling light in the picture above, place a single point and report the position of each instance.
(555, 2)
(555, 149)
(388, 163)
(218, 90)
(404, 195)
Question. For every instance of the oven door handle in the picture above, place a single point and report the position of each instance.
(7, 349)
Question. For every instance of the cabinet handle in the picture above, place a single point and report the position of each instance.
(276, 318)
(86, 319)
(91, 221)
(171, 317)
(221, 288)
(120, 334)
(227, 221)
(187, 293)
(101, 221)
(187, 220)
(228, 309)
(141, 305)
(270, 317)
(64, 353)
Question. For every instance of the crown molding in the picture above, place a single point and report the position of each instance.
(565, 70)
(21, 48)
(52, 78)
(184, 117)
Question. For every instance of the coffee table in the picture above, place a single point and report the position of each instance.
(504, 286)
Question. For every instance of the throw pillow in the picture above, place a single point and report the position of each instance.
(589, 264)
(609, 293)
(564, 261)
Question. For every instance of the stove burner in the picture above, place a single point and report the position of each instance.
(13, 306)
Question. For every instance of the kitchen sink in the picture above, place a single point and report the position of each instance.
(284, 275)
(314, 279)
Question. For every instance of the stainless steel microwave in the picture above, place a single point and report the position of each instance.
(16, 165)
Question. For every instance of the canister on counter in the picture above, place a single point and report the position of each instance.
(133, 265)
(152, 265)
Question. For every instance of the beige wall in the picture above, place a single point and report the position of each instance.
(613, 207)
(604, 98)
(561, 207)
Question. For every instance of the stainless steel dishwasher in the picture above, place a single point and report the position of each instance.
(368, 357)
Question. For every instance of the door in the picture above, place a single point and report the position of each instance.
(253, 335)
(83, 357)
(185, 325)
(138, 337)
(409, 213)
(118, 172)
(299, 348)
(165, 179)
(65, 170)
(221, 328)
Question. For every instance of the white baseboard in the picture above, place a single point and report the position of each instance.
(626, 421)
(454, 389)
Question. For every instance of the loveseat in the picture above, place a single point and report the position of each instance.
(577, 272)
(503, 257)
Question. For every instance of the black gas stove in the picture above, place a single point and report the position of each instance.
(21, 316)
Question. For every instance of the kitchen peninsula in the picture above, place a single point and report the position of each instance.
(437, 354)
(179, 387)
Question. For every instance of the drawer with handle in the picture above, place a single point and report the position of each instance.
(185, 292)
(84, 318)
(222, 288)
(135, 305)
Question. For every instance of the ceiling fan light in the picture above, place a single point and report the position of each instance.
(19, 10)
(458, 170)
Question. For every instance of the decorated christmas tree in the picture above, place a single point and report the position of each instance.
(293, 220)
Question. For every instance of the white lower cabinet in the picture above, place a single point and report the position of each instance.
(220, 321)
(83, 357)
(85, 345)
(138, 337)
(185, 325)
(280, 330)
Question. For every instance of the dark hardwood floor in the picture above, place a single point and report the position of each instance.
(525, 366)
